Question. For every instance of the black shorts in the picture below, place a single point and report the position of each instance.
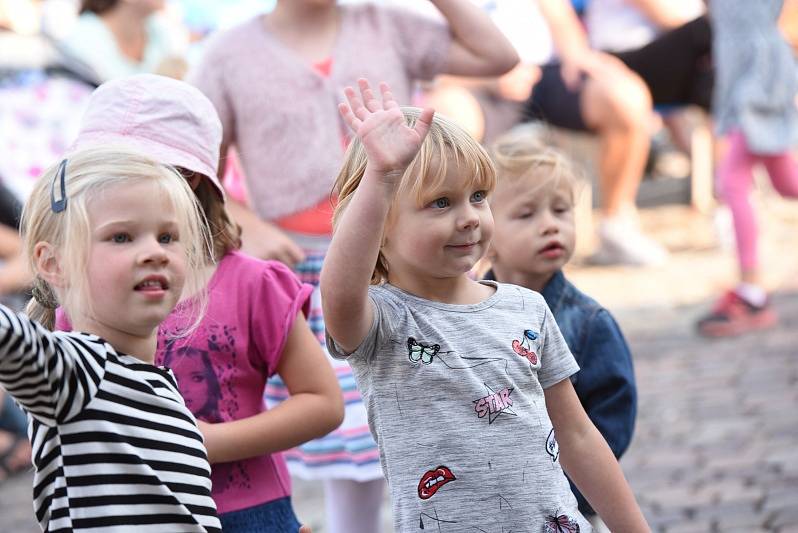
(552, 102)
(677, 65)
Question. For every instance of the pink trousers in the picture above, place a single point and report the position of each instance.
(735, 180)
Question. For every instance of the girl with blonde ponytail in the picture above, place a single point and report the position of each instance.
(115, 238)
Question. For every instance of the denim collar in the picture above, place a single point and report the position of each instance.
(554, 291)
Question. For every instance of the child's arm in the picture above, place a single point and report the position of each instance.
(479, 47)
(314, 408)
(390, 146)
(51, 377)
(589, 462)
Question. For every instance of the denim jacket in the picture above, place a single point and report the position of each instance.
(605, 383)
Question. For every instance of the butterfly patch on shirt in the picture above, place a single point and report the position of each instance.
(560, 523)
(420, 352)
(527, 345)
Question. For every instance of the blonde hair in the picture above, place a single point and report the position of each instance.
(446, 144)
(521, 155)
(87, 173)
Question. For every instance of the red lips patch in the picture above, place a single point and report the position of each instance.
(531, 356)
(432, 480)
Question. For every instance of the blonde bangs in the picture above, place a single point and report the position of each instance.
(446, 144)
(519, 156)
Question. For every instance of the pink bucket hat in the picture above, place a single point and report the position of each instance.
(166, 119)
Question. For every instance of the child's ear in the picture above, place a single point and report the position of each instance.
(48, 266)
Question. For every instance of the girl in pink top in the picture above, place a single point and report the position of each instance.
(306, 52)
(255, 326)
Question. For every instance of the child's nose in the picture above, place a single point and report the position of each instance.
(469, 218)
(549, 223)
(153, 252)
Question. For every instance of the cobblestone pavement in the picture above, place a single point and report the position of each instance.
(716, 445)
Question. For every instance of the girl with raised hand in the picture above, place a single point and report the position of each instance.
(115, 238)
(466, 382)
(275, 81)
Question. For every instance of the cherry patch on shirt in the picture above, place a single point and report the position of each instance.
(524, 346)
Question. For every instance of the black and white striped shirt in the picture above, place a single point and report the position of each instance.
(113, 444)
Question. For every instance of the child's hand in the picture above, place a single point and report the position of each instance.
(389, 143)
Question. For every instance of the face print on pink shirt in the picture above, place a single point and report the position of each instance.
(205, 366)
(197, 380)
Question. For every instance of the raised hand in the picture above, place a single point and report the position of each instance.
(389, 142)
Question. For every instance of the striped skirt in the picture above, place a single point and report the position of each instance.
(349, 452)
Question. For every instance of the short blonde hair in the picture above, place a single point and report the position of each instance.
(520, 155)
(445, 144)
(87, 173)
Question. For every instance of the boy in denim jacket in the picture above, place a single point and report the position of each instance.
(534, 237)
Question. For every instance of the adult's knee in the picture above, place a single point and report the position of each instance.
(620, 102)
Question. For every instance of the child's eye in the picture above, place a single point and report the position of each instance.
(166, 238)
(562, 208)
(440, 203)
(479, 196)
(525, 214)
(120, 238)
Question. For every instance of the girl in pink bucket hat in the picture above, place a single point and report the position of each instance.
(256, 321)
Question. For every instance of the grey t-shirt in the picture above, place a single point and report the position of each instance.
(454, 395)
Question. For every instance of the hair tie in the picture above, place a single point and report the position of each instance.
(43, 294)
(59, 205)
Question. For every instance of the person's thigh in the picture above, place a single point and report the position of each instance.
(615, 100)
(677, 65)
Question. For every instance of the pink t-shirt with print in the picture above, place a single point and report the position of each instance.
(222, 367)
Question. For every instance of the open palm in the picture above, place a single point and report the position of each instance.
(389, 142)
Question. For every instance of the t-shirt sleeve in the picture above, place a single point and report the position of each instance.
(422, 42)
(379, 332)
(556, 360)
(52, 376)
(276, 303)
(208, 76)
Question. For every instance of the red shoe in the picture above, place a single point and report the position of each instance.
(733, 316)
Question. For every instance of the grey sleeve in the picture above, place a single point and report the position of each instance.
(556, 361)
(379, 332)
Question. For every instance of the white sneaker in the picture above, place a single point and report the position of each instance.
(622, 243)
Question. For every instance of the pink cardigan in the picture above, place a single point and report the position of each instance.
(282, 116)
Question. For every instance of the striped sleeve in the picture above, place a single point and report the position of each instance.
(52, 375)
